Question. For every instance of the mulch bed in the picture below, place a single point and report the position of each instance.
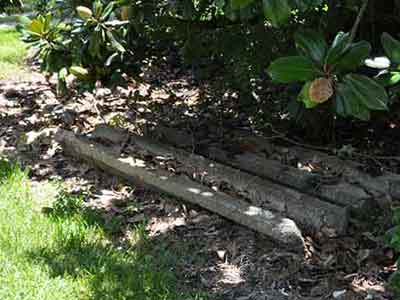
(219, 257)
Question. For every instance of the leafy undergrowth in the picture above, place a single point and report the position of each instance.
(12, 54)
(52, 247)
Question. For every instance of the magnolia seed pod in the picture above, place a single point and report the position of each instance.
(84, 12)
(321, 89)
(125, 13)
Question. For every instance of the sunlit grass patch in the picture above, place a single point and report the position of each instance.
(64, 251)
(12, 54)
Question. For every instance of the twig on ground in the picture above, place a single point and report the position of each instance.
(397, 158)
(282, 136)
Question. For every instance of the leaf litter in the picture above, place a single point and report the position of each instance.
(214, 255)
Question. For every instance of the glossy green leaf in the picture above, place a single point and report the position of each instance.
(343, 99)
(62, 80)
(362, 113)
(348, 104)
(338, 48)
(389, 79)
(311, 44)
(277, 12)
(355, 56)
(340, 104)
(47, 23)
(97, 9)
(293, 68)
(110, 59)
(304, 96)
(107, 11)
(392, 47)
(24, 20)
(36, 26)
(367, 91)
(117, 45)
(116, 23)
(63, 73)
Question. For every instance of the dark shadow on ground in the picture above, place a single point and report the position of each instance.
(118, 269)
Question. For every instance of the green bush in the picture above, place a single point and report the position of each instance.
(90, 45)
(97, 40)
(326, 72)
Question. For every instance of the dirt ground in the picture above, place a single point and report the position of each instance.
(226, 260)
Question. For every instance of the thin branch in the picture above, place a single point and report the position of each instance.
(282, 136)
(396, 158)
(358, 21)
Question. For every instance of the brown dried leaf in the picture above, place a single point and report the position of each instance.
(321, 90)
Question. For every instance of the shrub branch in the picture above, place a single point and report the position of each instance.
(358, 20)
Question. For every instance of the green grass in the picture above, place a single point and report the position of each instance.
(12, 54)
(52, 247)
